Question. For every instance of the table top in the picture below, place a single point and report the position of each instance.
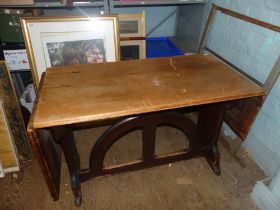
(91, 92)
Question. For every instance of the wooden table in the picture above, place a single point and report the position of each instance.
(140, 94)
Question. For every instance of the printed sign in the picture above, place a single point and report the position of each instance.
(16, 59)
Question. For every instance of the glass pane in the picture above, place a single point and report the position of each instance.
(128, 27)
(130, 52)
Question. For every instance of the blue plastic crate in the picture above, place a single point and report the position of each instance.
(161, 47)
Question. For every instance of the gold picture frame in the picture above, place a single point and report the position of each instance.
(8, 155)
(13, 113)
(132, 36)
(50, 41)
(133, 49)
(132, 25)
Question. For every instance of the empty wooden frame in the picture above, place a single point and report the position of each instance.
(241, 116)
(276, 69)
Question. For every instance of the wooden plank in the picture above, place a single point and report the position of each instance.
(132, 38)
(249, 19)
(48, 153)
(207, 29)
(85, 93)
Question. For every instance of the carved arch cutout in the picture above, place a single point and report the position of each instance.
(170, 139)
(126, 149)
(148, 124)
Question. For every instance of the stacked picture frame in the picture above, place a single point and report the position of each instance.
(132, 36)
(8, 153)
(13, 113)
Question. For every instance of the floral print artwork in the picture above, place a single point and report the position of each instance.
(76, 52)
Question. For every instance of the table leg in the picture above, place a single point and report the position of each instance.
(64, 135)
(209, 125)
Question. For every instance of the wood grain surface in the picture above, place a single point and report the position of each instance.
(84, 93)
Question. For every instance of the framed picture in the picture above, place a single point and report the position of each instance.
(60, 41)
(132, 25)
(132, 36)
(8, 154)
(14, 116)
(15, 56)
(133, 49)
(16, 60)
(5, 46)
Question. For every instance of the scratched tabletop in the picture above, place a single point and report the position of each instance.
(91, 92)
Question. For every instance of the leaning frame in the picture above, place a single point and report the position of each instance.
(275, 72)
(26, 21)
(248, 110)
(13, 112)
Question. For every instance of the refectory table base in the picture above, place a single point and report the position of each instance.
(202, 142)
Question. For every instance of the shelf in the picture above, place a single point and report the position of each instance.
(56, 3)
(102, 3)
(154, 2)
